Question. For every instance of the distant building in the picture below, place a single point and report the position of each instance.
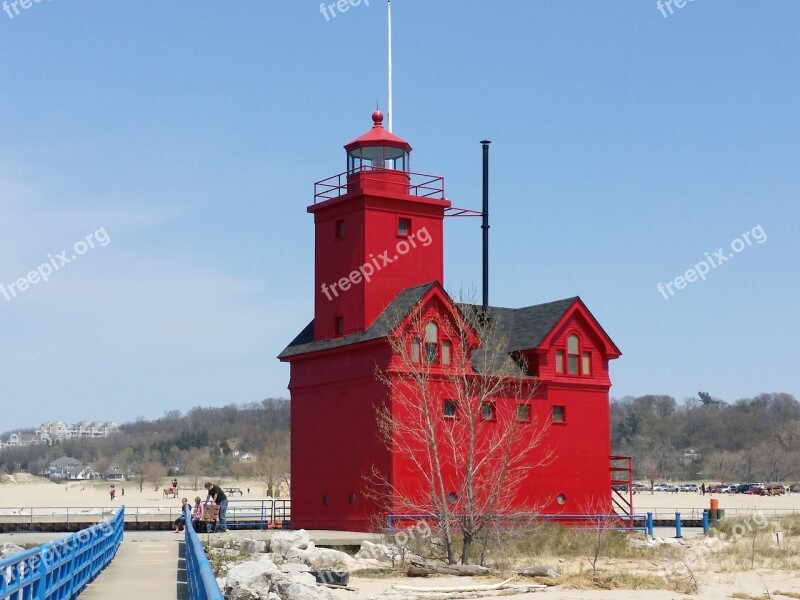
(114, 473)
(65, 468)
(51, 432)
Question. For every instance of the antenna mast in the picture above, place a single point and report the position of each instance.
(391, 111)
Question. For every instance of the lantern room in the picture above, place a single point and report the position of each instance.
(377, 149)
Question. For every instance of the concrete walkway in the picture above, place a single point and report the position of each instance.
(142, 569)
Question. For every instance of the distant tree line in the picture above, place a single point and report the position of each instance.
(705, 438)
(200, 443)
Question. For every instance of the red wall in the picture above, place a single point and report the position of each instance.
(371, 224)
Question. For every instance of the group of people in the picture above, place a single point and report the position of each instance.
(112, 491)
(215, 495)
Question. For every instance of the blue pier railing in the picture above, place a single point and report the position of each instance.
(199, 575)
(61, 569)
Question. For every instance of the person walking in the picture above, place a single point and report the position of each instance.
(703, 488)
(112, 492)
(219, 498)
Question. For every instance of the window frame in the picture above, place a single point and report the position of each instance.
(563, 357)
(431, 358)
(339, 229)
(447, 403)
(448, 355)
(563, 410)
(338, 326)
(403, 220)
(492, 406)
(529, 413)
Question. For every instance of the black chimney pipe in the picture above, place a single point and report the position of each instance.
(485, 225)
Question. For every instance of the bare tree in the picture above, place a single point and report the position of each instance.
(722, 466)
(657, 463)
(272, 461)
(462, 421)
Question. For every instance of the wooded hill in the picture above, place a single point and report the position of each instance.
(752, 439)
(704, 438)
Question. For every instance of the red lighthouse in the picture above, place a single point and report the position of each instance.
(379, 261)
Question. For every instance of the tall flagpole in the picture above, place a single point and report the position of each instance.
(391, 111)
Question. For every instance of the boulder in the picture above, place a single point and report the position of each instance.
(379, 552)
(251, 546)
(301, 591)
(320, 558)
(294, 568)
(282, 541)
(250, 580)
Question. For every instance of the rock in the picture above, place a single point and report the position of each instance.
(250, 580)
(379, 552)
(251, 546)
(294, 568)
(7, 550)
(320, 558)
(300, 591)
(282, 541)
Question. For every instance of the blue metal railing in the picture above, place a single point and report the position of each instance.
(199, 575)
(61, 569)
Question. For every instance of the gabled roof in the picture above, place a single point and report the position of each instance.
(524, 328)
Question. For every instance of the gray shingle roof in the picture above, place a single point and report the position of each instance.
(523, 328)
(380, 328)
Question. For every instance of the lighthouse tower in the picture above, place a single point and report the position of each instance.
(378, 234)
(369, 221)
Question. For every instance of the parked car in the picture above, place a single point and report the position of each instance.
(640, 487)
(775, 490)
(688, 487)
(728, 489)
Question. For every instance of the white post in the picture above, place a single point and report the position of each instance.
(391, 111)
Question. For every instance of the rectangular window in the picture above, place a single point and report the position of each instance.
(449, 409)
(524, 413)
(403, 226)
(572, 364)
(559, 361)
(431, 353)
(587, 364)
(339, 229)
(415, 348)
(559, 414)
(488, 411)
(338, 326)
(447, 348)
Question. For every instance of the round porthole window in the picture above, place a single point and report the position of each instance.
(452, 497)
(352, 499)
(561, 498)
(326, 499)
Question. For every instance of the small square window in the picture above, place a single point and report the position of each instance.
(447, 349)
(524, 413)
(559, 361)
(338, 326)
(488, 411)
(586, 367)
(339, 229)
(449, 409)
(559, 414)
(403, 226)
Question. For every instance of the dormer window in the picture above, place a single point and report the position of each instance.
(431, 343)
(573, 355)
(577, 362)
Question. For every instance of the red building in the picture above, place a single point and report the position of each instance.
(379, 265)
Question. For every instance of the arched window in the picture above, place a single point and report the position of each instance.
(573, 355)
(431, 343)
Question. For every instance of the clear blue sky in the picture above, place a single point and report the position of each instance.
(626, 146)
